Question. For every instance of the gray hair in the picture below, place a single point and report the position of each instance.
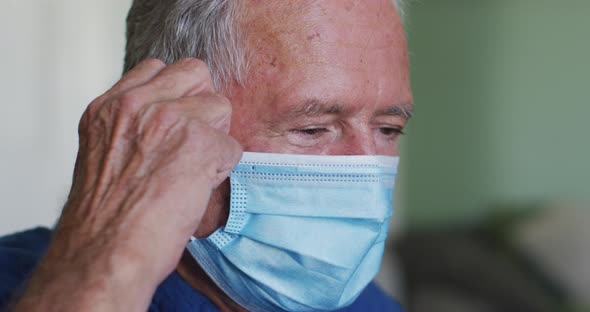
(205, 29)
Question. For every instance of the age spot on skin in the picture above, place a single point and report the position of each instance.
(314, 36)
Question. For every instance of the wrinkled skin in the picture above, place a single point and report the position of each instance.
(328, 77)
(151, 151)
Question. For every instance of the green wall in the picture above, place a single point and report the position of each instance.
(501, 107)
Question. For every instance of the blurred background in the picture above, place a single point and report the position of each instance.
(493, 199)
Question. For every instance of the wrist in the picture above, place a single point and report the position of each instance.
(104, 283)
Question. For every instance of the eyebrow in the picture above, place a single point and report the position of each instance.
(405, 110)
(315, 107)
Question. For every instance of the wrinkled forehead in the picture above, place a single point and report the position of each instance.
(299, 30)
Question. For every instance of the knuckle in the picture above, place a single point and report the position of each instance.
(89, 114)
(153, 62)
(216, 111)
(207, 82)
(201, 69)
(199, 129)
(128, 103)
(191, 63)
(91, 109)
(163, 117)
(166, 83)
(134, 75)
(222, 104)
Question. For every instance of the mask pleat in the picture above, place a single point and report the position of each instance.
(283, 271)
(330, 240)
(365, 200)
(364, 274)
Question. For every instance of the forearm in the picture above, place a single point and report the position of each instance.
(98, 284)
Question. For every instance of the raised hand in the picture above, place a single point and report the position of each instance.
(152, 149)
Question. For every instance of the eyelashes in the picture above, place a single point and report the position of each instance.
(389, 131)
(315, 132)
(310, 131)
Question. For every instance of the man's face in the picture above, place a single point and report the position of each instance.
(328, 77)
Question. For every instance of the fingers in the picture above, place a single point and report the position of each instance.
(206, 119)
(149, 82)
(139, 75)
(186, 77)
(209, 108)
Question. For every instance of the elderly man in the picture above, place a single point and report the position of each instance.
(299, 103)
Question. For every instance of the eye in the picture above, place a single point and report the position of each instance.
(391, 131)
(312, 135)
(310, 131)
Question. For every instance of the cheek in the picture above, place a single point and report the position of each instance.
(387, 148)
(384, 145)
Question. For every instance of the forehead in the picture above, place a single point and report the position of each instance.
(304, 48)
(297, 30)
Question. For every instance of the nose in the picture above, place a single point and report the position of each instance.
(355, 143)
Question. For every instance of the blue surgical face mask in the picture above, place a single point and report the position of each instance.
(304, 233)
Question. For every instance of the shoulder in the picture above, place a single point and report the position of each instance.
(374, 299)
(19, 253)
